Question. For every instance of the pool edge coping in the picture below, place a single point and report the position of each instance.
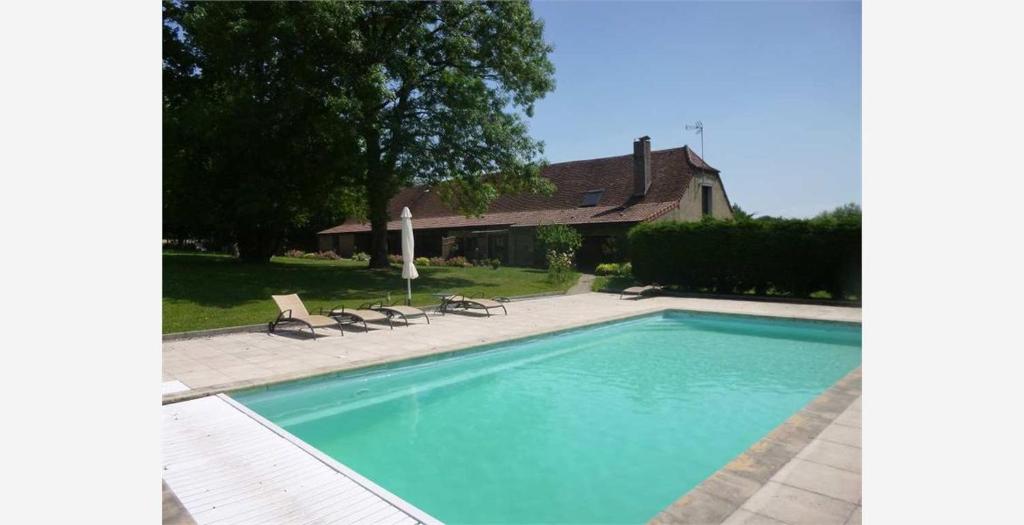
(719, 495)
(196, 393)
(407, 508)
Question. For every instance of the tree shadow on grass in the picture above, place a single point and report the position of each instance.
(225, 282)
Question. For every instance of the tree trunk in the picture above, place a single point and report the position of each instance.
(378, 208)
(378, 242)
(377, 184)
(256, 245)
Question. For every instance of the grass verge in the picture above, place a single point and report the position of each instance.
(203, 291)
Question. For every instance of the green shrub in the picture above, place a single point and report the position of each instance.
(360, 256)
(394, 259)
(788, 256)
(558, 238)
(422, 261)
(294, 253)
(495, 263)
(625, 269)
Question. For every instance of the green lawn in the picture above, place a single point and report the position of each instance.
(212, 291)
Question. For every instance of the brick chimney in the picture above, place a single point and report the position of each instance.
(641, 166)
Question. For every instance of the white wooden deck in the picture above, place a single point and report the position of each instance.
(228, 465)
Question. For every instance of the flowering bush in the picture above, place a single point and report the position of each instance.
(458, 261)
(395, 259)
(436, 261)
(559, 238)
(294, 253)
(360, 256)
(559, 266)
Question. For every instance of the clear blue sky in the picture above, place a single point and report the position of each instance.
(777, 85)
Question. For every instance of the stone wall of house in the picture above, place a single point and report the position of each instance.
(342, 244)
(690, 205)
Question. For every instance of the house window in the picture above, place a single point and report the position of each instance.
(591, 198)
(705, 200)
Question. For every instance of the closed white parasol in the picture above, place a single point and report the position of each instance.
(408, 267)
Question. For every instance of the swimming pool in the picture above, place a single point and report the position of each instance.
(605, 424)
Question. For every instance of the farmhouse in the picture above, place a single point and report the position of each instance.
(602, 198)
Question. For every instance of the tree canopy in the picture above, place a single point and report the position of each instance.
(278, 112)
(740, 214)
(440, 91)
(846, 212)
(252, 144)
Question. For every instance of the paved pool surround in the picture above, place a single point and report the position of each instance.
(805, 471)
(225, 363)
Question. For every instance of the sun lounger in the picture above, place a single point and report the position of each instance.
(469, 303)
(640, 291)
(291, 310)
(360, 315)
(405, 312)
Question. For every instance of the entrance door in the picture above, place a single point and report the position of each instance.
(590, 252)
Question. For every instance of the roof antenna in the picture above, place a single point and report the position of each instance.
(699, 126)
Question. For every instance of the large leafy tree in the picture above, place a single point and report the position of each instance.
(439, 92)
(253, 142)
(275, 112)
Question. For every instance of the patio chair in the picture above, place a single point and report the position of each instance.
(471, 303)
(291, 310)
(640, 291)
(360, 315)
(388, 306)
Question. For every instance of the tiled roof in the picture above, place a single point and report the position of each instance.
(671, 172)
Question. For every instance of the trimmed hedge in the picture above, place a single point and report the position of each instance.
(785, 256)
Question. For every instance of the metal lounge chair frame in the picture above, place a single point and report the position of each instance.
(390, 310)
(287, 315)
(471, 303)
(339, 311)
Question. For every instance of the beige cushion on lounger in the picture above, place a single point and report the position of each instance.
(296, 310)
(321, 321)
(640, 290)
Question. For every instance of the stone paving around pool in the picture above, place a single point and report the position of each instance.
(805, 471)
(226, 362)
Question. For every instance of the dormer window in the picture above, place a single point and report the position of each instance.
(591, 198)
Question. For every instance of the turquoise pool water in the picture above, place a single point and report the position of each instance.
(607, 424)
